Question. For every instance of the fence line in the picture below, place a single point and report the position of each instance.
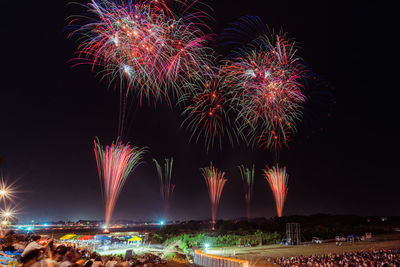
(208, 260)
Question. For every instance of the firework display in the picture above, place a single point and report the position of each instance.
(266, 76)
(159, 51)
(248, 182)
(166, 186)
(150, 46)
(115, 163)
(215, 182)
(278, 181)
(206, 108)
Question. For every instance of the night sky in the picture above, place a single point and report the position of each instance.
(339, 164)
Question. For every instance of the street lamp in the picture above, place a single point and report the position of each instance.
(3, 192)
(7, 192)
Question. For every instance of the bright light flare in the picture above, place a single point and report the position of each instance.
(7, 191)
(8, 214)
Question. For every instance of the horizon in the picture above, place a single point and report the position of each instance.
(238, 219)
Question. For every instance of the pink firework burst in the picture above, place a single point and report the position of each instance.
(115, 163)
(215, 181)
(278, 181)
(266, 79)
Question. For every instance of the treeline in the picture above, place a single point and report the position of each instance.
(324, 226)
(187, 242)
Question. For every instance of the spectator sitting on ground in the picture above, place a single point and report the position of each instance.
(53, 259)
(32, 258)
(68, 254)
(97, 261)
(34, 245)
(112, 262)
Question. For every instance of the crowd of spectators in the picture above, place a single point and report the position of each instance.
(33, 251)
(370, 258)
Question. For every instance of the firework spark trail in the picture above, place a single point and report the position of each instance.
(115, 163)
(147, 45)
(267, 77)
(268, 94)
(278, 181)
(248, 182)
(206, 112)
(215, 183)
(166, 186)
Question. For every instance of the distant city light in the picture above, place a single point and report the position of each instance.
(162, 223)
(45, 224)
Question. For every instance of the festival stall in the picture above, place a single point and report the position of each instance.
(135, 240)
(67, 237)
(86, 237)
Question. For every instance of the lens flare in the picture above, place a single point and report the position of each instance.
(7, 191)
(8, 214)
